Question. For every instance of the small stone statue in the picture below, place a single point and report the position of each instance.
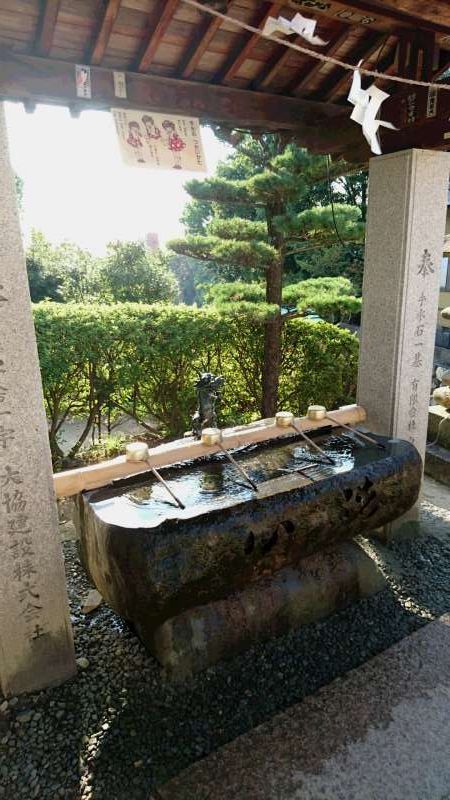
(209, 393)
(441, 394)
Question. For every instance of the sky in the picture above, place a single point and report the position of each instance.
(77, 188)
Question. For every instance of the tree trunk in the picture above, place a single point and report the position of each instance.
(272, 343)
(273, 326)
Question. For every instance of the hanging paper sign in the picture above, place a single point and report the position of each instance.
(159, 141)
(432, 100)
(120, 85)
(302, 26)
(83, 81)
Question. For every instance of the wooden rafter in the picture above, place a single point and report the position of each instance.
(46, 26)
(198, 46)
(109, 15)
(389, 65)
(164, 16)
(340, 77)
(232, 66)
(430, 55)
(299, 84)
(275, 65)
(416, 55)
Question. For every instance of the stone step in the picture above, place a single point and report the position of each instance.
(437, 463)
(380, 733)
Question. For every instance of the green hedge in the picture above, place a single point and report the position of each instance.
(144, 360)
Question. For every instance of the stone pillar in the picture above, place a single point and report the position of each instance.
(404, 243)
(36, 645)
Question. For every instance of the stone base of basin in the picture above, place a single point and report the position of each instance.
(319, 585)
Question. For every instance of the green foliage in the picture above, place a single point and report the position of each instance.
(73, 269)
(238, 228)
(352, 189)
(229, 252)
(43, 285)
(130, 273)
(295, 292)
(144, 360)
(235, 292)
(331, 298)
(221, 190)
(67, 273)
(110, 446)
(319, 225)
(333, 261)
(319, 365)
(192, 277)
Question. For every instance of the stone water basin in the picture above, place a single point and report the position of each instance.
(152, 561)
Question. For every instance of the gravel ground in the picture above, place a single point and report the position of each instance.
(118, 729)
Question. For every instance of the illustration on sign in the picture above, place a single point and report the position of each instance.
(83, 81)
(159, 141)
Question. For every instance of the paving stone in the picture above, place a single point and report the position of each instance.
(382, 732)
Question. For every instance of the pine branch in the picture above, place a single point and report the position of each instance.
(230, 252)
(319, 224)
(238, 229)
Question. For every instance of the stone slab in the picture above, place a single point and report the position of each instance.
(36, 646)
(437, 464)
(436, 493)
(382, 732)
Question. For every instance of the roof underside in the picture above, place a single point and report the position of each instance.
(279, 88)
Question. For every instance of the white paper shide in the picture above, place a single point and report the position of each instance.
(302, 26)
(159, 141)
(367, 104)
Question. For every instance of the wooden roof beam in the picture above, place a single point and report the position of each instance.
(109, 15)
(39, 80)
(46, 26)
(163, 18)
(272, 69)
(299, 85)
(384, 15)
(389, 65)
(198, 46)
(341, 77)
(227, 72)
(275, 65)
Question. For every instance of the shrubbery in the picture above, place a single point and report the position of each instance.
(144, 360)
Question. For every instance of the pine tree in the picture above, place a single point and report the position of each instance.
(278, 221)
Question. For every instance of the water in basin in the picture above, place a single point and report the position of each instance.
(144, 502)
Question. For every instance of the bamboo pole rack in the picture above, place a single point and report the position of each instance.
(74, 481)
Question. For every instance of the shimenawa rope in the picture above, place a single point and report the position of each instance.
(306, 51)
